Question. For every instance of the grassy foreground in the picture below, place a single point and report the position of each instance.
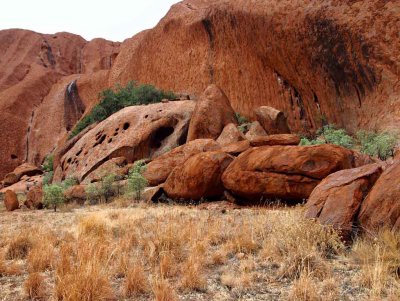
(143, 252)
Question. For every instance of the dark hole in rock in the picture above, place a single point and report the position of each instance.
(146, 116)
(126, 126)
(102, 139)
(183, 137)
(13, 157)
(115, 134)
(110, 140)
(159, 136)
(78, 153)
(69, 160)
(159, 110)
(117, 129)
(68, 128)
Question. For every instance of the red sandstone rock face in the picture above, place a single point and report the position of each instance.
(307, 58)
(34, 114)
(272, 120)
(381, 208)
(212, 113)
(278, 139)
(135, 133)
(284, 172)
(199, 177)
(160, 168)
(337, 199)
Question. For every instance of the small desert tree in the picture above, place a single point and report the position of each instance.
(53, 195)
(136, 181)
(108, 188)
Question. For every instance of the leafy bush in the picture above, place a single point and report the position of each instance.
(107, 187)
(69, 182)
(93, 193)
(136, 181)
(48, 163)
(330, 134)
(241, 119)
(48, 177)
(53, 195)
(379, 145)
(113, 100)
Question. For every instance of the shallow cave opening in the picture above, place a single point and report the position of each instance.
(13, 157)
(159, 136)
(126, 126)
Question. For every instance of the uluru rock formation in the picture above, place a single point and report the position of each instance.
(314, 60)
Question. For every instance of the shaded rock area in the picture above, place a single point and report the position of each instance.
(158, 170)
(212, 113)
(284, 172)
(199, 177)
(25, 169)
(381, 208)
(76, 194)
(337, 199)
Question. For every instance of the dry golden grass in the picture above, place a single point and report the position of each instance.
(35, 286)
(172, 252)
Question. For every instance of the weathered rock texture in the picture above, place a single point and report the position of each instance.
(230, 134)
(36, 108)
(284, 172)
(212, 113)
(199, 177)
(34, 198)
(135, 133)
(381, 208)
(314, 60)
(272, 120)
(337, 199)
(11, 201)
(160, 168)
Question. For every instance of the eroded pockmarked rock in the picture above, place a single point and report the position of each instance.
(199, 177)
(135, 133)
(337, 199)
(284, 172)
(212, 113)
(158, 170)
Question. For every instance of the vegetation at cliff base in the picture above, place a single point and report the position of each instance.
(113, 100)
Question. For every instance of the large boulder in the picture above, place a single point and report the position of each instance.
(212, 113)
(11, 201)
(199, 177)
(272, 120)
(34, 198)
(76, 193)
(135, 133)
(230, 134)
(236, 148)
(25, 184)
(26, 169)
(337, 199)
(158, 170)
(284, 172)
(381, 208)
(255, 130)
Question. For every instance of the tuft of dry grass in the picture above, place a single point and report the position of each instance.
(163, 291)
(41, 257)
(304, 289)
(136, 282)
(19, 246)
(35, 286)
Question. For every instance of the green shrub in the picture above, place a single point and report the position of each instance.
(69, 182)
(136, 181)
(93, 193)
(113, 100)
(241, 119)
(48, 177)
(375, 144)
(48, 163)
(330, 134)
(53, 195)
(107, 187)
